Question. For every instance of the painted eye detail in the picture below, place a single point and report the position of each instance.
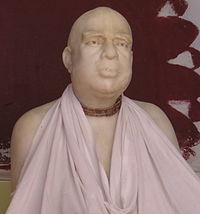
(121, 43)
(94, 42)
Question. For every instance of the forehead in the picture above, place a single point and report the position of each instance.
(101, 20)
(106, 22)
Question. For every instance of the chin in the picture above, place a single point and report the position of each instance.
(110, 88)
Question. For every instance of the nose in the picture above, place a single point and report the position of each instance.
(109, 50)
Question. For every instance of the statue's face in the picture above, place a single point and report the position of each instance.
(101, 55)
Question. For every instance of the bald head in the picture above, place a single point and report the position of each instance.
(108, 17)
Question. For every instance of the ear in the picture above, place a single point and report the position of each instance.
(132, 57)
(67, 58)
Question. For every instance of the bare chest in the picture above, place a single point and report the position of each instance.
(104, 146)
(104, 132)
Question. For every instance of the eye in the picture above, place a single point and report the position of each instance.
(94, 42)
(121, 43)
(91, 42)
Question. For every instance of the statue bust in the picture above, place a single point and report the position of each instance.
(99, 59)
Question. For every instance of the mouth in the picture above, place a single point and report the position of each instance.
(108, 72)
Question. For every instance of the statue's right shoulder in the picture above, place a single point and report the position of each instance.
(32, 119)
(22, 137)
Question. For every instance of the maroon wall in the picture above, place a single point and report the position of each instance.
(33, 35)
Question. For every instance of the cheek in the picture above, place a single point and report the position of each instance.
(80, 68)
(126, 56)
(126, 70)
(126, 64)
(83, 70)
(84, 61)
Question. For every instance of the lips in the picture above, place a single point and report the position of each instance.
(108, 71)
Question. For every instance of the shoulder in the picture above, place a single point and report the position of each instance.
(154, 111)
(31, 119)
(22, 136)
(161, 119)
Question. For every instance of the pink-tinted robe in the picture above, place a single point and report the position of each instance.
(62, 173)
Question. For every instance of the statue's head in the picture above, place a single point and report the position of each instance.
(99, 53)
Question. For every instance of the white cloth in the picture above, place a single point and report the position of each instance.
(62, 173)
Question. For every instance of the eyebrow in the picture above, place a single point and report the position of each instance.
(96, 33)
(91, 33)
(125, 35)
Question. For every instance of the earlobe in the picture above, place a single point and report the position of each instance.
(67, 59)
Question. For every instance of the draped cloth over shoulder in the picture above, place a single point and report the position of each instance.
(62, 173)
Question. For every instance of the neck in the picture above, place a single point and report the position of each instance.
(103, 112)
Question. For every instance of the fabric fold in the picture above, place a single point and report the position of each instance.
(62, 173)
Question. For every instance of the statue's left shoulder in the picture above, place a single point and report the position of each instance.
(161, 119)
